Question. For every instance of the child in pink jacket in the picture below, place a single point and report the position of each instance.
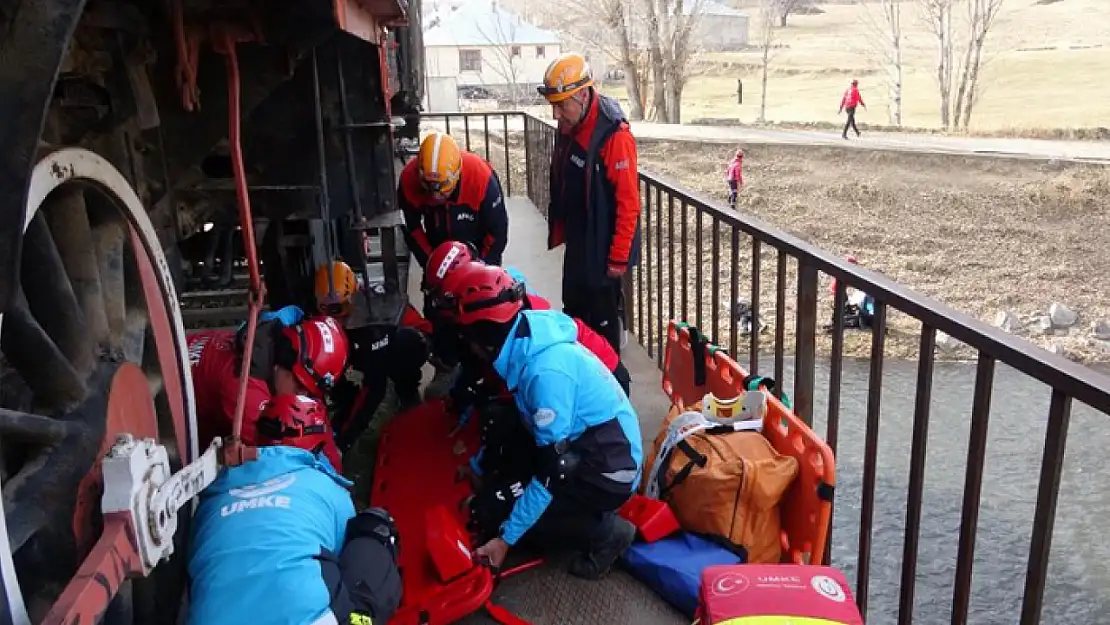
(735, 176)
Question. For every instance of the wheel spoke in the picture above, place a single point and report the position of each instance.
(26, 513)
(34, 428)
(43, 367)
(109, 238)
(134, 336)
(68, 218)
(51, 299)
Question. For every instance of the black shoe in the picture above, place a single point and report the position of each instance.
(616, 534)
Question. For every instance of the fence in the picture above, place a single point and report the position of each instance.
(699, 260)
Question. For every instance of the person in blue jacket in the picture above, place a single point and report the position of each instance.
(588, 456)
(276, 541)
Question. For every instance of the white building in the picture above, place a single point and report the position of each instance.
(487, 49)
(720, 28)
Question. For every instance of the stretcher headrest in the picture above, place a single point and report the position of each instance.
(448, 544)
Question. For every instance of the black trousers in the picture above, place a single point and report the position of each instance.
(851, 111)
(598, 306)
(363, 579)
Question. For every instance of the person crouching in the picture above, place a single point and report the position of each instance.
(588, 456)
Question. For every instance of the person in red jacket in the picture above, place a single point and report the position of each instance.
(595, 195)
(307, 358)
(848, 103)
(447, 194)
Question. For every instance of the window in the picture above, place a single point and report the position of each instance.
(470, 60)
(540, 52)
(515, 52)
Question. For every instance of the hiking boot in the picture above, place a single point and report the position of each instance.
(614, 535)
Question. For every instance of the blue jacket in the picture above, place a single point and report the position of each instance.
(256, 533)
(566, 395)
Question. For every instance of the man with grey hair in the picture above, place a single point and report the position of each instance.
(595, 195)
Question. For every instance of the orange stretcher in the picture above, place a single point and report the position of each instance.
(417, 479)
(693, 367)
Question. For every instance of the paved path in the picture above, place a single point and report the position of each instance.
(1041, 149)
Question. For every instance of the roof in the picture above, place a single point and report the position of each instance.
(716, 9)
(484, 24)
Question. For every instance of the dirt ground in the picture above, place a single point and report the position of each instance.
(980, 234)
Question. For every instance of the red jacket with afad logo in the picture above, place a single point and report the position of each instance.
(589, 339)
(215, 367)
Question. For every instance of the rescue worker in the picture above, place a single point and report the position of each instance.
(444, 259)
(848, 104)
(277, 540)
(447, 193)
(595, 195)
(586, 335)
(587, 454)
(307, 357)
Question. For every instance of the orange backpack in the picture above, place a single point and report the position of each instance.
(728, 484)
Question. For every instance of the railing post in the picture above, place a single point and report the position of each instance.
(805, 337)
(528, 182)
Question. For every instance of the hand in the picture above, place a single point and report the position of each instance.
(616, 271)
(494, 551)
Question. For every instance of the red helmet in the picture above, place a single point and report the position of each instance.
(488, 293)
(445, 299)
(298, 421)
(447, 257)
(321, 347)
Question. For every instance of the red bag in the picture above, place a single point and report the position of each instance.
(776, 594)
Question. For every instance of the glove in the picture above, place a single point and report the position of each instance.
(288, 316)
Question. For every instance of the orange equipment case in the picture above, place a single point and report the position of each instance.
(806, 509)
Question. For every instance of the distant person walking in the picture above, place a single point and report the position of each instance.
(735, 176)
(848, 103)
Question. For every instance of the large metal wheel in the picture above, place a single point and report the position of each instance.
(93, 346)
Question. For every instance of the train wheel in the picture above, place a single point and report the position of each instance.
(92, 347)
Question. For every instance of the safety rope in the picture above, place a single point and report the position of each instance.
(322, 199)
(224, 40)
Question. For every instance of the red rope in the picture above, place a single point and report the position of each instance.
(224, 41)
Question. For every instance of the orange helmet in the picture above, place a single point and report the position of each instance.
(439, 164)
(565, 76)
(335, 298)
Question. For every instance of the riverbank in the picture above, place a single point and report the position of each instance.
(983, 235)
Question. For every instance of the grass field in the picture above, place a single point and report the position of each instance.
(1048, 67)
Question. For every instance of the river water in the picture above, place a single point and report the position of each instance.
(1079, 572)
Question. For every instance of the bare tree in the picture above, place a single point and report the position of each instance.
(937, 15)
(768, 35)
(683, 17)
(785, 7)
(500, 31)
(981, 17)
(614, 36)
(883, 21)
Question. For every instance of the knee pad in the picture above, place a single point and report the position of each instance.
(378, 524)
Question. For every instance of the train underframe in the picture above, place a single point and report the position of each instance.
(117, 194)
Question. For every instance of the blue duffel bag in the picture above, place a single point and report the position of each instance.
(672, 566)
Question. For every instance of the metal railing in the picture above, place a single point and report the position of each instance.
(699, 259)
